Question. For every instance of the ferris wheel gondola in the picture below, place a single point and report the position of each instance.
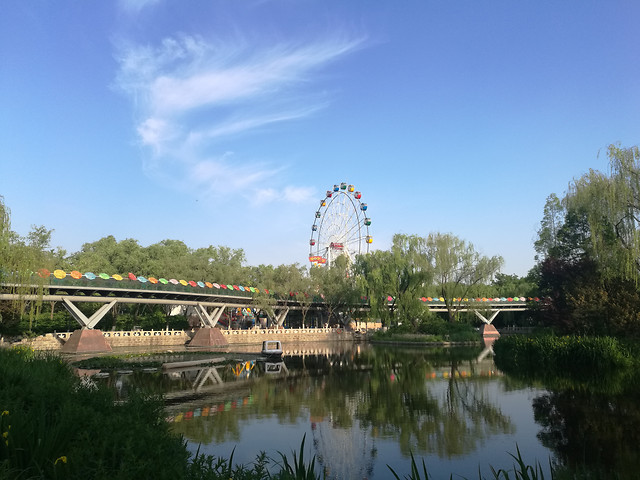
(340, 227)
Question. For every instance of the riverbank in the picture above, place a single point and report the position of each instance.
(176, 339)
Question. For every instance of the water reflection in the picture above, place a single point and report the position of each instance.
(430, 404)
(361, 408)
(591, 425)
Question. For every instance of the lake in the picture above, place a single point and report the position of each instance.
(359, 407)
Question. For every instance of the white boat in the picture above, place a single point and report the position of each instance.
(271, 348)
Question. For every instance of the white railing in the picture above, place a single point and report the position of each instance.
(281, 331)
(131, 333)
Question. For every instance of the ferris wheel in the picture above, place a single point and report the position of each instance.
(340, 227)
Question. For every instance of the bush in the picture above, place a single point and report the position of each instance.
(434, 326)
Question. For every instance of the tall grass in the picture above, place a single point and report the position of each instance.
(520, 471)
(572, 355)
(60, 427)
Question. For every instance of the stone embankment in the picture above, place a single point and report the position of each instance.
(169, 338)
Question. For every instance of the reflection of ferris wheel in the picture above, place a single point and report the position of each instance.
(340, 227)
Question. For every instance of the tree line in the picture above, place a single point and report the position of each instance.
(390, 281)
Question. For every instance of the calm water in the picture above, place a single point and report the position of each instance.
(359, 407)
(362, 407)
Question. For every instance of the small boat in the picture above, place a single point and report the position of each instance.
(271, 348)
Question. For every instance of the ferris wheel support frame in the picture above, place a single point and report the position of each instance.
(341, 226)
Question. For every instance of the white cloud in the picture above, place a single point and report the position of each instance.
(136, 5)
(289, 194)
(190, 94)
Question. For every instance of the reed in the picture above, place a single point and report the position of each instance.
(568, 355)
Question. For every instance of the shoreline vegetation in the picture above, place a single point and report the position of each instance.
(572, 357)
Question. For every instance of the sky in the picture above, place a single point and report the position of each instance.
(224, 122)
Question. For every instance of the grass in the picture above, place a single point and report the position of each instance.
(520, 471)
(567, 355)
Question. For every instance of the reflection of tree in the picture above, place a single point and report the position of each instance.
(354, 397)
(445, 418)
(599, 431)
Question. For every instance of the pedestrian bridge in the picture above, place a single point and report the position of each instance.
(209, 300)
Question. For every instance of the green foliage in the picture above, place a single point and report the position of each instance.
(512, 285)
(168, 258)
(521, 470)
(563, 356)
(551, 223)
(611, 208)
(46, 403)
(590, 251)
(458, 268)
(298, 470)
(580, 300)
(340, 293)
(209, 467)
(441, 263)
(434, 325)
(433, 329)
(415, 472)
(19, 258)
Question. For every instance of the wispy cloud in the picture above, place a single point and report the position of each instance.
(190, 94)
(135, 5)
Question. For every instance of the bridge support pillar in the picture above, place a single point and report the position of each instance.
(491, 318)
(82, 319)
(209, 319)
(86, 340)
(208, 337)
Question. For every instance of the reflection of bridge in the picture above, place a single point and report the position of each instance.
(207, 380)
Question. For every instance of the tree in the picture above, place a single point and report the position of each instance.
(399, 273)
(513, 285)
(611, 204)
(303, 294)
(338, 289)
(590, 271)
(549, 226)
(19, 259)
(457, 269)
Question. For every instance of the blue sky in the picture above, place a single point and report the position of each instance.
(224, 122)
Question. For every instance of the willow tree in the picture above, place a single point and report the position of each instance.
(457, 269)
(393, 279)
(611, 204)
(19, 260)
